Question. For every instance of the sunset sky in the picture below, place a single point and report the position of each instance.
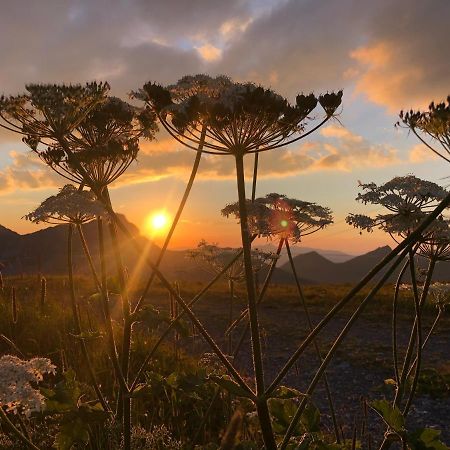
(387, 55)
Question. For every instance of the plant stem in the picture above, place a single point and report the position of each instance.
(316, 345)
(409, 241)
(261, 401)
(76, 318)
(176, 219)
(88, 257)
(394, 321)
(334, 347)
(15, 431)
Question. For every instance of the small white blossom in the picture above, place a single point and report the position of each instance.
(407, 199)
(278, 215)
(18, 379)
(70, 205)
(214, 259)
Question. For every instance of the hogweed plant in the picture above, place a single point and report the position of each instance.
(408, 201)
(92, 139)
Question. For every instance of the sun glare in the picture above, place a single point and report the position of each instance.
(156, 222)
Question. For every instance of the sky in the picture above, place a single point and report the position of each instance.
(386, 55)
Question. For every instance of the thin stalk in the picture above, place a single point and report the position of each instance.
(263, 289)
(151, 353)
(106, 311)
(334, 347)
(15, 431)
(261, 401)
(427, 338)
(176, 219)
(230, 314)
(89, 257)
(394, 321)
(316, 345)
(409, 241)
(77, 322)
(255, 176)
(126, 339)
(418, 360)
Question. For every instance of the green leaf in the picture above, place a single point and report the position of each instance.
(284, 392)
(426, 439)
(229, 385)
(310, 419)
(392, 416)
(70, 433)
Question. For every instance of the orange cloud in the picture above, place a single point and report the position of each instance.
(209, 53)
(390, 79)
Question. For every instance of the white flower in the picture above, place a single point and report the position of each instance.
(278, 215)
(214, 259)
(407, 199)
(17, 383)
(69, 205)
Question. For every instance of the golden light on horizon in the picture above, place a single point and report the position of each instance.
(156, 223)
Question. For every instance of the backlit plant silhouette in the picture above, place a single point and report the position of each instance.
(92, 139)
(408, 201)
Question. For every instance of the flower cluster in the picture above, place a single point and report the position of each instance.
(434, 123)
(408, 200)
(47, 110)
(17, 381)
(214, 259)
(236, 117)
(439, 292)
(70, 205)
(278, 215)
(80, 132)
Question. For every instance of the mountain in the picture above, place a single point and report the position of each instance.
(318, 269)
(332, 255)
(45, 252)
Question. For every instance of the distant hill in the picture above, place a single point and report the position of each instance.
(45, 251)
(318, 269)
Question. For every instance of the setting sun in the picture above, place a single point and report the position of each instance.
(156, 222)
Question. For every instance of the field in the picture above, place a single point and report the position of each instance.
(43, 327)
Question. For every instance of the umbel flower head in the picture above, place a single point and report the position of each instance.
(436, 242)
(283, 217)
(80, 132)
(236, 118)
(104, 143)
(433, 124)
(407, 199)
(70, 205)
(214, 259)
(18, 383)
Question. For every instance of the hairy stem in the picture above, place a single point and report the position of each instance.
(261, 401)
(316, 345)
(77, 322)
(335, 346)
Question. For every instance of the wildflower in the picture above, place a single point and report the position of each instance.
(214, 259)
(438, 292)
(80, 132)
(408, 200)
(278, 215)
(239, 117)
(18, 379)
(434, 124)
(70, 205)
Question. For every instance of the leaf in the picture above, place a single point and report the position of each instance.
(426, 438)
(70, 433)
(390, 382)
(310, 419)
(284, 392)
(392, 416)
(64, 396)
(229, 385)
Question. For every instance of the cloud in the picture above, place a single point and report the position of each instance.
(209, 53)
(419, 154)
(164, 158)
